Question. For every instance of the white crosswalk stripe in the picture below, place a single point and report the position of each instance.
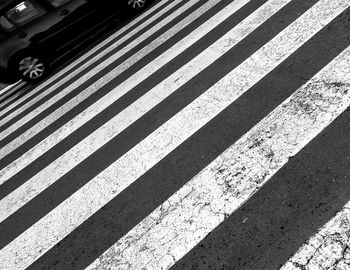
(116, 93)
(129, 115)
(166, 235)
(79, 64)
(9, 90)
(328, 247)
(175, 227)
(119, 91)
(96, 69)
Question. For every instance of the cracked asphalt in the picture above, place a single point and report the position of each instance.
(230, 150)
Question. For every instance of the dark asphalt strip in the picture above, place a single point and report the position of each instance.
(102, 72)
(115, 219)
(92, 55)
(97, 95)
(19, 92)
(304, 195)
(81, 174)
(22, 92)
(122, 103)
(10, 92)
(35, 209)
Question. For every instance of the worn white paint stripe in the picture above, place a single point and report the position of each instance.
(182, 221)
(76, 70)
(7, 99)
(78, 65)
(23, 138)
(8, 90)
(328, 248)
(57, 224)
(138, 77)
(108, 131)
(14, 96)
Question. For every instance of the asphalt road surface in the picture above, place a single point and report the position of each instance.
(204, 134)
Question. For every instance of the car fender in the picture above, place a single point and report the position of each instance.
(10, 48)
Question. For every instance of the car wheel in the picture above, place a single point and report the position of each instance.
(137, 5)
(31, 67)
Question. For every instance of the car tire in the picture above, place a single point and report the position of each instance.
(30, 67)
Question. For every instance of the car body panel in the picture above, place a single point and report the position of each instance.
(54, 29)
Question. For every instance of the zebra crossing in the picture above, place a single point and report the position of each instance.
(328, 247)
(9, 93)
(137, 114)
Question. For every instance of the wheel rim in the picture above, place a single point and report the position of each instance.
(31, 67)
(137, 4)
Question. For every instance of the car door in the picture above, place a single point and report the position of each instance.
(67, 28)
(76, 21)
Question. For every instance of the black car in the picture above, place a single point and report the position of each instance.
(36, 33)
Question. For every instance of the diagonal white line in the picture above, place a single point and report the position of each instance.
(77, 65)
(328, 248)
(57, 224)
(182, 221)
(121, 89)
(9, 90)
(5, 89)
(90, 90)
(108, 131)
(125, 29)
(14, 96)
(9, 100)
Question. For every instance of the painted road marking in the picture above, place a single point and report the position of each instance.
(8, 90)
(182, 221)
(126, 86)
(23, 88)
(328, 248)
(20, 140)
(86, 76)
(108, 131)
(48, 231)
(75, 67)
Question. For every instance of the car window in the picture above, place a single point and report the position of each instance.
(57, 3)
(20, 14)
